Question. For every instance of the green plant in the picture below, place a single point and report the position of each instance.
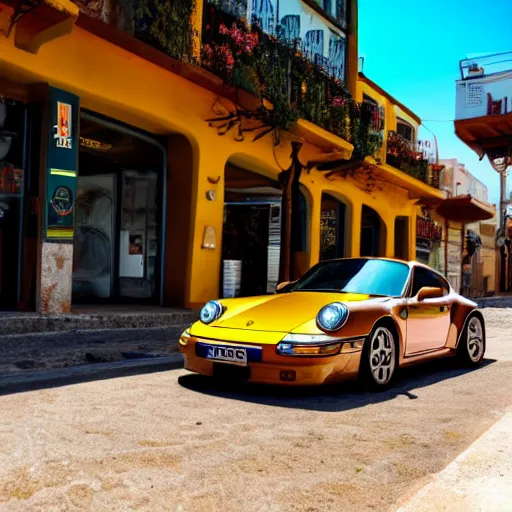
(167, 24)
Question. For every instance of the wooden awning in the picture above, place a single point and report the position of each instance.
(415, 187)
(487, 132)
(463, 209)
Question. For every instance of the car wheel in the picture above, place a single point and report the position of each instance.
(379, 358)
(471, 347)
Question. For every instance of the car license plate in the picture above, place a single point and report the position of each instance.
(232, 355)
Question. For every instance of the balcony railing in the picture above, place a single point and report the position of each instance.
(486, 65)
(297, 84)
(412, 159)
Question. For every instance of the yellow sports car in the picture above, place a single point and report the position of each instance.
(343, 319)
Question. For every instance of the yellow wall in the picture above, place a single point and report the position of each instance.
(118, 84)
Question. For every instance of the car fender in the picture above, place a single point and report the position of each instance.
(471, 314)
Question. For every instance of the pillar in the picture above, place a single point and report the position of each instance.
(58, 178)
(389, 223)
(207, 218)
(356, 212)
(315, 197)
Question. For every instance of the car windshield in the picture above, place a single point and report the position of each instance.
(358, 275)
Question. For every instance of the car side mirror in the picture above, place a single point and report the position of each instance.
(428, 292)
(280, 286)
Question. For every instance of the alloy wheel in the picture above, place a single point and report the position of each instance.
(382, 355)
(475, 339)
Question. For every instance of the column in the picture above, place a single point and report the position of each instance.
(356, 211)
(389, 222)
(204, 265)
(58, 193)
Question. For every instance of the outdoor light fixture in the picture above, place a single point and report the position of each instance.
(499, 160)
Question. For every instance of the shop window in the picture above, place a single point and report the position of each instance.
(332, 228)
(12, 177)
(118, 216)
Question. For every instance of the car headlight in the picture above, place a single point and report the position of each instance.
(332, 317)
(211, 311)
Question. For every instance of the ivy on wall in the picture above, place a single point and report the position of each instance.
(166, 24)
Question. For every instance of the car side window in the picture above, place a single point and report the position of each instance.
(424, 277)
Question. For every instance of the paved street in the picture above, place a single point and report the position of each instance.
(173, 441)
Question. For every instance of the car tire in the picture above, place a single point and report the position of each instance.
(472, 344)
(379, 359)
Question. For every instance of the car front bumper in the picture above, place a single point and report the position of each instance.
(274, 368)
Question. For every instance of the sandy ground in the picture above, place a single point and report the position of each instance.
(174, 441)
(477, 480)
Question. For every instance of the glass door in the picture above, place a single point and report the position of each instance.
(139, 234)
(94, 237)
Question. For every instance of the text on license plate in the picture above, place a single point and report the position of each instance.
(228, 354)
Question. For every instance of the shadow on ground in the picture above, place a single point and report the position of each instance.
(334, 398)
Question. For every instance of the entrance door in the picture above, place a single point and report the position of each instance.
(138, 235)
(119, 214)
(428, 321)
(94, 247)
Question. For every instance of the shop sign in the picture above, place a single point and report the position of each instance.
(61, 166)
(62, 130)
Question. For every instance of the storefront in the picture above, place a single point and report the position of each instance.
(251, 237)
(12, 165)
(118, 218)
(429, 242)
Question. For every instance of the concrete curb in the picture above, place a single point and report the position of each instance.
(32, 323)
(478, 480)
(29, 381)
(495, 302)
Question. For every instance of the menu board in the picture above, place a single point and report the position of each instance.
(328, 230)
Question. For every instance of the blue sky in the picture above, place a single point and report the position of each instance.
(412, 50)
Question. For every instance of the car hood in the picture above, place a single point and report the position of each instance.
(280, 312)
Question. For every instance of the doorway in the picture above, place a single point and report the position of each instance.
(402, 238)
(12, 181)
(251, 240)
(372, 233)
(118, 226)
(332, 228)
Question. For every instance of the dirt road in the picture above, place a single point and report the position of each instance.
(172, 441)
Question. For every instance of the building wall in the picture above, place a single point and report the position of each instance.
(115, 83)
(458, 181)
(472, 95)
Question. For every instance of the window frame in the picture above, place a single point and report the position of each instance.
(402, 121)
(434, 273)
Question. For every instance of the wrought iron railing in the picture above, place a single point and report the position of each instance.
(411, 159)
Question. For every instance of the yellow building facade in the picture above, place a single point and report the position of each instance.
(115, 83)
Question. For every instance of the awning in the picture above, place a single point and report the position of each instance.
(463, 209)
(324, 139)
(486, 132)
(416, 187)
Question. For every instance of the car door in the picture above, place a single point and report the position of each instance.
(428, 320)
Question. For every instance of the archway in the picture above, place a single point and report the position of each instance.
(402, 238)
(373, 233)
(333, 228)
(251, 240)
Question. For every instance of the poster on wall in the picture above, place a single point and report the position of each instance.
(61, 165)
